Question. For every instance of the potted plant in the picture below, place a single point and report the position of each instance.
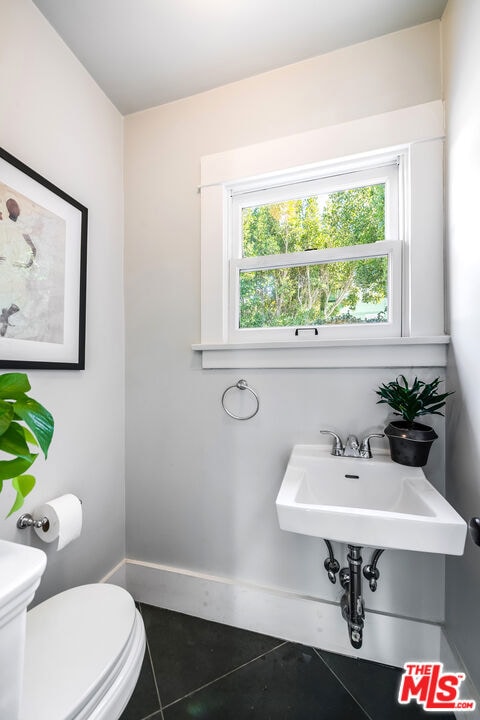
(410, 441)
(23, 423)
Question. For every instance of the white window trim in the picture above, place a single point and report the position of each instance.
(418, 133)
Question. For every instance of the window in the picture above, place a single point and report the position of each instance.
(316, 258)
(325, 249)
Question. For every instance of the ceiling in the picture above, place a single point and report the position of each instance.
(144, 53)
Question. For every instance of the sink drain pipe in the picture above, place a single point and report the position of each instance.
(351, 602)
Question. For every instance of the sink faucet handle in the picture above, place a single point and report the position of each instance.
(365, 450)
(337, 448)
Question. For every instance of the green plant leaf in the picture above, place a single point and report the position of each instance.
(23, 484)
(411, 401)
(14, 440)
(433, 410)
(12, 468)
(13, 385)
(23, 422)
(29, 437)
(6, 415)
(38, 419)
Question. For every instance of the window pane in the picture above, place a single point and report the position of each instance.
(347, 217)
(335, 293)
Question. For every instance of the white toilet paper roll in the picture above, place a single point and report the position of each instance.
(64, 515)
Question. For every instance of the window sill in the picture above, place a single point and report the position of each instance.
(378, 352)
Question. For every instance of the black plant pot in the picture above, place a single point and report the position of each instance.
(410, 443)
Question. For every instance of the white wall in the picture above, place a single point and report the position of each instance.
(461, 52)
(55, 119)
(200, 486)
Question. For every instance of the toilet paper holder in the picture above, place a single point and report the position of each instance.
(27, 520)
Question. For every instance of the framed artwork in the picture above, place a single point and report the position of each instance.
(43, 268)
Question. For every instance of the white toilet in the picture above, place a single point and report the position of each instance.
(76, 656)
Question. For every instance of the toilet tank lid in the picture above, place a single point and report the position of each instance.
(73, 641)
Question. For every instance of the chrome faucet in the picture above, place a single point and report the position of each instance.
(352, 447)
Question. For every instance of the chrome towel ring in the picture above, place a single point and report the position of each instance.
(241, 385)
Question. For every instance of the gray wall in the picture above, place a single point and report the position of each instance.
(201, 487)
(460, 27)
(55, 118)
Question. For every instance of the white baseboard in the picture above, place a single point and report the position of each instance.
(117, 576)
(387, 639)
(452, 662)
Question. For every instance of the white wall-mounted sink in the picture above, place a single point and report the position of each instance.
(374, 502)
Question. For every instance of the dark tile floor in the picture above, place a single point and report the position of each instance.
(195, 669)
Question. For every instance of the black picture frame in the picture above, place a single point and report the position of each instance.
(43, 271)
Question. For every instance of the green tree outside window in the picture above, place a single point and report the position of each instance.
(327, 293)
